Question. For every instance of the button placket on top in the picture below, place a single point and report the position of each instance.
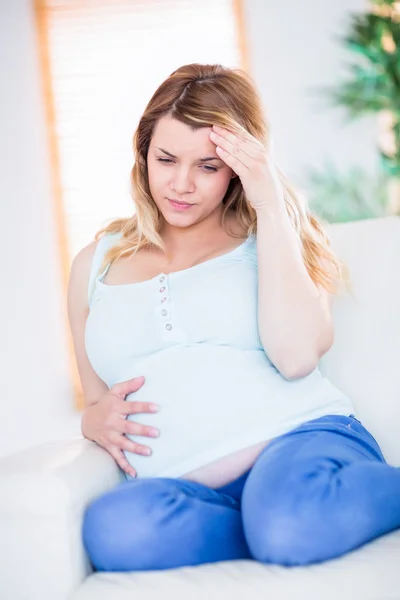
(170, 330)
(163, 303)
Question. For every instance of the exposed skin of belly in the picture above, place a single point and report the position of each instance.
(228, 468)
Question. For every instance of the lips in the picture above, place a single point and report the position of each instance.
(180, 202)
(177, 205)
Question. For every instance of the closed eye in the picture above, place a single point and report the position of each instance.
(208, 168)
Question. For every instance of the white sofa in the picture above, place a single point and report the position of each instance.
(45, 489)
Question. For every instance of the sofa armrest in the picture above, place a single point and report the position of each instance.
(44, 492)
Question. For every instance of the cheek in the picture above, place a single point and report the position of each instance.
(156, 176)
(219, 183)
(158, 183)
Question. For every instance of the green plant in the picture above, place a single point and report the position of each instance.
(374, 39)
(373, 86)
(351, 196)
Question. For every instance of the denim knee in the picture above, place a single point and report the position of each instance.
(290, 528)
(120, 527)
(284, 539)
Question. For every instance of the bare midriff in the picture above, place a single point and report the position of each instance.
(228, 468)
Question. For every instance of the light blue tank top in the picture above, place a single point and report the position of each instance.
(193, 334)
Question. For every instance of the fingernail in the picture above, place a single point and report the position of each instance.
(154, 407)
(147, 451)
(154, 432)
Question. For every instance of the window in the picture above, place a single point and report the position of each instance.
(101, 62)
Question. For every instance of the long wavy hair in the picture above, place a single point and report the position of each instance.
(201, 95)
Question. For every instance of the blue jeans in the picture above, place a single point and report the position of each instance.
(314, 493)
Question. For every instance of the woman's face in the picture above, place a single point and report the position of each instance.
(177, 170)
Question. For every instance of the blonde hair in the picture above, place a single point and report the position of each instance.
(201, 95)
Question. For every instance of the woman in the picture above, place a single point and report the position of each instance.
(214, 301)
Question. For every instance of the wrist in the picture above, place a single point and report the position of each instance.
(274, 213)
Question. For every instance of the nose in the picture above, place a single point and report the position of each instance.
(182, 181)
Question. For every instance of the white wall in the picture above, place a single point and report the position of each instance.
(36, 402)
(291, 48)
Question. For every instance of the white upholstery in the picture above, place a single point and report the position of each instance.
(364, 360)
(43, 490)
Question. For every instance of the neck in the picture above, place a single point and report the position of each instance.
(191, 239)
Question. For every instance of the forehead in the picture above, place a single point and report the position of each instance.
(177, 137)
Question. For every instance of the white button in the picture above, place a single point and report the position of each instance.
(168, 326)
(162, 289)
(163, 299)
(161, 278)
(164, 312)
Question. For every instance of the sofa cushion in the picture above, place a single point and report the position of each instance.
(368, 573)
(364, 360)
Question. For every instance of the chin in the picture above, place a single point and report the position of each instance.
(179, 221)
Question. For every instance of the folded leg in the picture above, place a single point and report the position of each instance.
(319, 491)
(162, 523)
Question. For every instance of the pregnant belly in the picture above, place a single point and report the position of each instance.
(218, 405)
(228, 468)
(215, 402)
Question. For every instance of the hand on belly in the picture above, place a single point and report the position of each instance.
(226, 469)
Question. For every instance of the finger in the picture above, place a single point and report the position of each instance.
(130, 407)
(233, 145)
(238, 167)
(233, 151)
(124, 388)
(242, 134)
(121, 461)
(234, 141)
(138, 429)
(126, 444)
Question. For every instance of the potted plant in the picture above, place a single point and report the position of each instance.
(373, 86)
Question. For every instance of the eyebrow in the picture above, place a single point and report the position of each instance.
(206, 159)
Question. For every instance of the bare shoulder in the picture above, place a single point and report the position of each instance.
(79, 276)
(84, 258)
(78, 310)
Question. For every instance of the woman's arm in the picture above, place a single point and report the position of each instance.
(294, 314)
(294, 317)
(93, 387)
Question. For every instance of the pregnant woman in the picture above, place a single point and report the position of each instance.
(213, 301)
